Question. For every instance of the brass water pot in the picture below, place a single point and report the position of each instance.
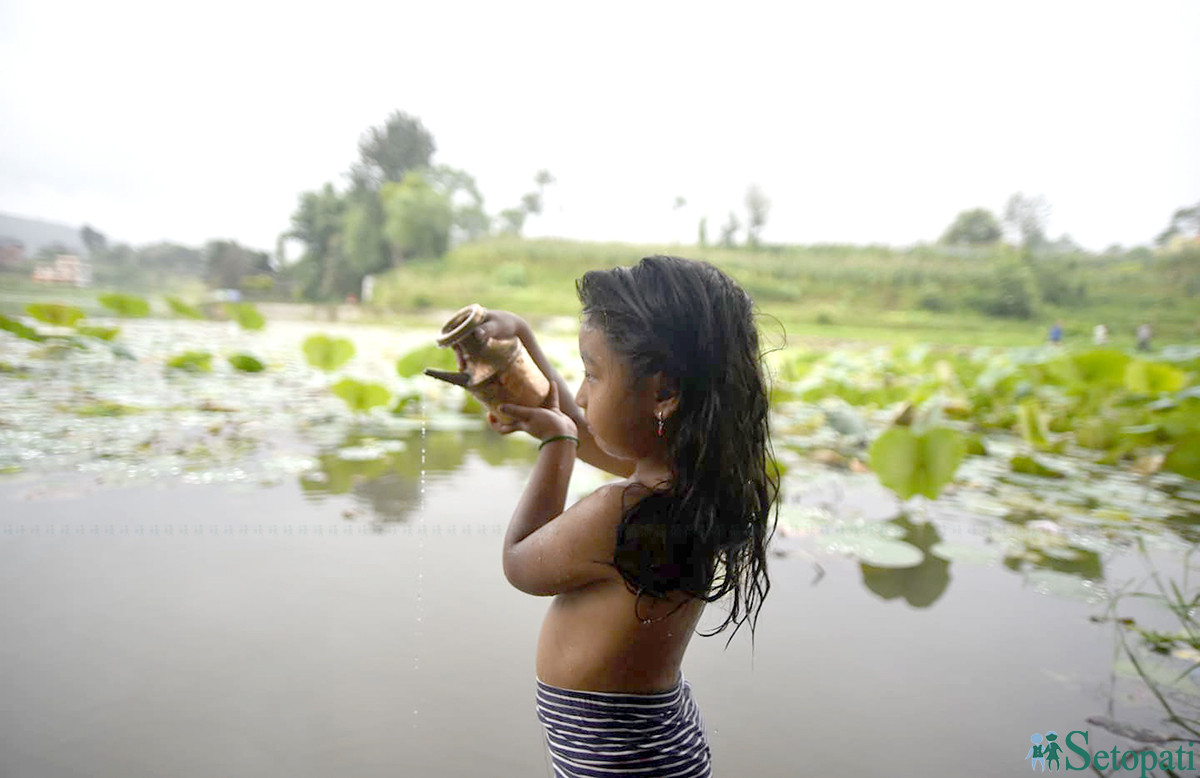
(494, 370)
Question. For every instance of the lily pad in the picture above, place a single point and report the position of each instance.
(128, 306)
(361, 397)
(875, 551)
(20, 330)
(326, 353)
(246, 363)
(1185, 457)
(909, 463)
(55, 313)
(246, 315)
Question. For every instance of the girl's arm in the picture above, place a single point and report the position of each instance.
(503, 324)
(548, 550)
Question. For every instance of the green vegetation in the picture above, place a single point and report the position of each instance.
(191, 362)
(326, 353)
(995, 295)
(246, 363)
(125, 305)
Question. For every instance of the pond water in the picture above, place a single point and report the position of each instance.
(228, 574)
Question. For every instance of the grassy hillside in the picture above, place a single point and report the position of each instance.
(984, 297)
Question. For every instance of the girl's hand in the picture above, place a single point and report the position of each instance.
(544, 422)
(500, 324)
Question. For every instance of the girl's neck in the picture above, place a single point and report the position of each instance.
(651, 472)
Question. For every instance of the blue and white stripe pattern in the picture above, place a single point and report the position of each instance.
(606, 734)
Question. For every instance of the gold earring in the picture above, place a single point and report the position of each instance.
(660, 423)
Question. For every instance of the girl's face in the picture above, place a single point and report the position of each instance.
(619, 411)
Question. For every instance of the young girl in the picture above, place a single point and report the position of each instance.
(673, 400)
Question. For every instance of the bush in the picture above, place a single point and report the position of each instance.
(511, 274)
(933, 298)
(1008, 293)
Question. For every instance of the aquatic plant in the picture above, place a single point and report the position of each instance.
(127, 306)
(415, 361)
(180, 308)
(191, 362)
(246, 363)
(56, 314)
(326, 353)
(361, 397)
(246, 315)
(20, 330)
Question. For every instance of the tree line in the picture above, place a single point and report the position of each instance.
(398, 205)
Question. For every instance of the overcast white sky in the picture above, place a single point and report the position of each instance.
(863, 122)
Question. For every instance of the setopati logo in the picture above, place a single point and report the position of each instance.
(1049, 752)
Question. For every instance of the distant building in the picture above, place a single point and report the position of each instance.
(66, 269)
(12, 252)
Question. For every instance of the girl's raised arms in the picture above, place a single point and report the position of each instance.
(503, 324)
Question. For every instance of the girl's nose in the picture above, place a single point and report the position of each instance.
(581, 396)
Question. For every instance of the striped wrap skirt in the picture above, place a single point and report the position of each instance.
(607, 734)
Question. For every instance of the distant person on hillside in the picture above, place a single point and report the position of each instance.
(1100, 335)
(1056, 334)
(1144, 333)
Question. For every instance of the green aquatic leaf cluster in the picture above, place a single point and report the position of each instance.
(1103, 405)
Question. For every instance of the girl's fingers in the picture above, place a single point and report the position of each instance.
(552, 398)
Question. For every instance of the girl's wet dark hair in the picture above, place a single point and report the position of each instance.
(705, 533)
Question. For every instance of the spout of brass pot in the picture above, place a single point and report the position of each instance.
(458, 379)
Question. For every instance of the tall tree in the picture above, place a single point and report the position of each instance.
(1185, 222)
(757, 208)
(229, 262)
(93, 240)
(417, 218)
(470, 220)
(513, 219)
(1027, 217)
(388, 152)
(322, 272)
(729, 230)
(975, 227)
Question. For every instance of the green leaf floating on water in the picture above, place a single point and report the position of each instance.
(1032, 423)
(1185, 457)
(1030, 466)
(191, 362)
(326, 353)
(129, 306)
(246, 315)
(183, 309)
(361, 397)
(1101, 366)
(910, 463)
(875, 551)
(1153, 377)
(415, 361)
(101, 333)
(55, 313)
(246, 363)
(20, 330)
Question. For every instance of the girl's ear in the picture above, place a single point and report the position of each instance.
(666, 395)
